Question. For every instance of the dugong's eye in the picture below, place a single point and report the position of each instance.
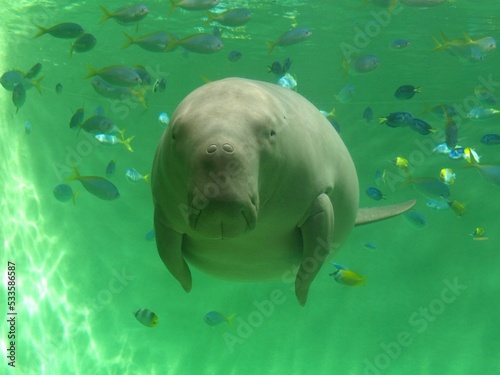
(272, 134)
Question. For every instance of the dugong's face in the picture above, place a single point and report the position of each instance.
(215, 156)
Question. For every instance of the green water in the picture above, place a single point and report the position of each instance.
(430, 304)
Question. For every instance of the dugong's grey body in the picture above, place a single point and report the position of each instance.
(251, 182)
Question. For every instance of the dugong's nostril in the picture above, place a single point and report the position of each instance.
(211, 149)
(227, 147)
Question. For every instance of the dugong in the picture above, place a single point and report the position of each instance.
(251, 183)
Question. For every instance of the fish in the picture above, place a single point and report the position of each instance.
(64, 193)
(111, 91)
(150, 236)
(457, 153)
(11, 78)
(153, 42)
(420, 126)
(77, 119)
(485, 96)
(481, 113)
(396, 119)
(478, 234)
(117, 75)
(347, 277)
(406, 92)
(442, 148)
(447, 176)
(34, 71)
(416, 219)
(490, 139)
(401, 163)
(457, 207)
(360, 64)
(146, 78)
(18, 96)
(231, 17)
(485, 45)
(437, 205)
(430, 187)
(380, 177)
(375, 193)
(112, 140)
(370, 246)
(59, 88)
(490, 172)
(126, 15)
(146, 317)
(164, 119)
(111, 168)
(97, 186)
(368, 114)
(214, 318)
(296, 35)
(234, 56)
(193, 4)
(399, 44)
(27, 128)
(278, 68)
(134, 176)
(65, 30)
(288, 81)
(99, 124)
(202, 43)
(346, 94)
(160, 85)
(84, 43)
(451, 131)
(470, 155)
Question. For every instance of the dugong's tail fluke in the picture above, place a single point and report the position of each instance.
(369, 215)
(169, 244)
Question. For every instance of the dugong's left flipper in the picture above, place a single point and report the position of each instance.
(169, 245)
(369, 215)
(317, 230)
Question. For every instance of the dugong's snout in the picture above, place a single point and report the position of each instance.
(222, 195)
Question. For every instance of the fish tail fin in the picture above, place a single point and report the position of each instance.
(418, 89)
(75, 175)
(174, 5)
(468, 39)
(36, 83)
(139, 95)
(92, 72)
(204, 78)
(392, 5)
(344, 65)
(439, 46)
(75, 194)
(229, 320)
(382, 120)
(129, 41)
(146, 178)
(41, 31)
(271, 46)
(107, 14)
(210, 17)
(126, 143)
(70, 50)
(173, 42)
(432, 130)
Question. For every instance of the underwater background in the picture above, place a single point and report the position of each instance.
(430, 304)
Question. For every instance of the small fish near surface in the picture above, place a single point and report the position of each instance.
(65, 30)
(146, 317)
(290, 37)
(481, 113)
(231, 17)
(153, 42)
(97, 186)
(126, 15)
(193, 4)
(214, 318)
(202, 43)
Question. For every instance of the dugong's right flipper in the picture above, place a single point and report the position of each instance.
(169, 245)
(369, 215)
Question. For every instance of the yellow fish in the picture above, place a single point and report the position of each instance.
(401, 163)
(347, 277)
(478, 234)
(448, 176)
(146, 317)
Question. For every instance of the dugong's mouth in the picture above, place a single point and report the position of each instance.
(221, 220)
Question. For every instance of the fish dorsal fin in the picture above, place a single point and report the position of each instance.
(369, 215)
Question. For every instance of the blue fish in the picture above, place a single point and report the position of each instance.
(491, 139)
(150, 236)
(399, 44)
(346, 94)
(420, 126)
(234, 56)
(214, 318)
(368, 114)
(416, 219)
(64, 193)
(98, 186)
(397, 119)
(457, 153)
(111, 168)
(375, 193)
(77, 119)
